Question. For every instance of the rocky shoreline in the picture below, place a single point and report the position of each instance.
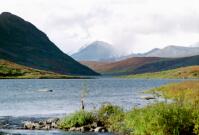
(52, 123)
(23, 123)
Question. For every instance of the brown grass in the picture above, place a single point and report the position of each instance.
(119, 66)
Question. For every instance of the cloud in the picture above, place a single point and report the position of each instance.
(130, 25)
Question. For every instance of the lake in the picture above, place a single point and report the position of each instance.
(26, 98)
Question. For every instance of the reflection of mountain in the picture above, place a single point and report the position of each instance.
(22, 43)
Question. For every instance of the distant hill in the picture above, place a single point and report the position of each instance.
(173, 52)
(12, 70)
(102, 51)
(190, 72)
(138, 65)
(119, 67)
(22, 43)
(166, 64)
(96, 51)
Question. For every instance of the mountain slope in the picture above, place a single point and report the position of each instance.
(138, 65)
(96, 51)
(119, 67)
(173, 52)
(166, 64)
(12, 70)
(180, 73)
(22, 43)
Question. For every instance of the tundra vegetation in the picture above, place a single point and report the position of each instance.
(10, 70)
(190, 72)
(180, 117)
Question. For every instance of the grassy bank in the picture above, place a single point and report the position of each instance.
(9, 70)
(178, 118)
(179, 73)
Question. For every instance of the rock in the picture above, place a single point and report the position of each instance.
(96, 124)
(92, 130)
(72, 129)
(100, 129)
(84, 129)
(52, 120)
(45, 90)
(54, 125)
(29, 125)
(42, 125)
(75, 129)
(37, 126)
(46, 127)
(147, 97)
(41, 122)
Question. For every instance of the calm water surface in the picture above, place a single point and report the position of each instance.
(22, 98)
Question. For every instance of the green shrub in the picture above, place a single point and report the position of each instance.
(161, 119)
(111, 116)
(77, 119)
(196, 121)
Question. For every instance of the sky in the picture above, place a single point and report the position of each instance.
(132, 26)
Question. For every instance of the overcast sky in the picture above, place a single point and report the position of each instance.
(130, 25)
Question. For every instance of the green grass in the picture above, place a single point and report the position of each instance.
(9, 70)
(187, 91)
(179, 73)
(177, 118)
(163, 119)
(77, 119)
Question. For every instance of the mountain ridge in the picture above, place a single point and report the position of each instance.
(22, 43)
(138, 65)
(170, 51)
(96, 51)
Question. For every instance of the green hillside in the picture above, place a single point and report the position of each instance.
(22, 43)
(181, 73)
(9, 70)
(167, 64)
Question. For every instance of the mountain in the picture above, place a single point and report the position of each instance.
(167, 64)
(173, 52)
(22, 43)
(96, 51)
(191, 72)
(138, 65)
(119, 67)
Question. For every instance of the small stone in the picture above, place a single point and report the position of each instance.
(29, 125)
(99, 129)
(51, 120)
(147, 97)
(84, 129)
(47, 127)
(92, 130)
(54, 125)
(37, 126)
(72, 129)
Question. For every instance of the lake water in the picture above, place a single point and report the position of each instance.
(22, 98)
